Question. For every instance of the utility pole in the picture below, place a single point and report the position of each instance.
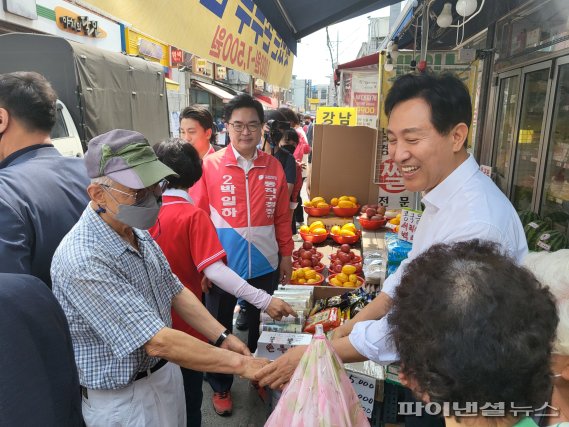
(337, 46)
(332, 60)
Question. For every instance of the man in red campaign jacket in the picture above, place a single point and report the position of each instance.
(245, 192)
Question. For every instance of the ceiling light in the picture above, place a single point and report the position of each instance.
(445, 18)
(466, 7)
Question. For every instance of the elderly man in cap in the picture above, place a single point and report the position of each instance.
(117, 289)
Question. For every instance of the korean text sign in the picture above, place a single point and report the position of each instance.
(233, 33)
(336, 116)
(409, 222)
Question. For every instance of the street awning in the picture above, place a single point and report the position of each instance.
(295, 19)
(370, 62)
(172, 84)
(268, 102)
(214, 90)
(365, 61)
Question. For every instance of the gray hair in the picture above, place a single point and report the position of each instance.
(102, 180)
(552, 270)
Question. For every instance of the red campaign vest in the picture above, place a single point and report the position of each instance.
(249, 211)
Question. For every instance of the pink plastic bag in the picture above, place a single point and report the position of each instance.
(319, 393)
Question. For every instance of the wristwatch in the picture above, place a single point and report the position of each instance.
(222, 338)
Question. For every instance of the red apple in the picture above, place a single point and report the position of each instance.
(345, 248)
(306, 255)
(344, 257)
(338, 268)
(352, 255)
(315, 261)
(306, 263)
(312, 251)
(307, 245)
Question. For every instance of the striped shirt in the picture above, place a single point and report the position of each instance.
(115, 298)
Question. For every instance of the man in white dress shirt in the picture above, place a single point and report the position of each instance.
(429, 116)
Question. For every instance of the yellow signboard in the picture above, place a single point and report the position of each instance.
(233, 33)
(139, 44)
(336, 116)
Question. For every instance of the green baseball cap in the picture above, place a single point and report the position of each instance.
(126, 157)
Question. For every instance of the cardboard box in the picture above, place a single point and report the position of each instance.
(328, 291)
(343, 162)
(274, 344)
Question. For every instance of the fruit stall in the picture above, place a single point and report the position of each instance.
(339, 264)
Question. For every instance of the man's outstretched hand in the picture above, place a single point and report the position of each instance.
(279, 372)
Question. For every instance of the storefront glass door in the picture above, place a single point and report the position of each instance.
(505, 125)
(528, 137)
(555, 199)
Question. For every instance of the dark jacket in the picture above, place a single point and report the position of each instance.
(42, 195)
(39, 385)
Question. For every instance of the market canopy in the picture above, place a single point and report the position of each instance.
(215, 91)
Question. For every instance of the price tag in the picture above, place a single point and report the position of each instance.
(486, 170)
(364, 387)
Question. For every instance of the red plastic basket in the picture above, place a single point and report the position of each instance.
(317, 211)
(372, 224)
(345, 212)
(314, 238)
(350, 240)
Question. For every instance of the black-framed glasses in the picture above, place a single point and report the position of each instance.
(140, 195)
(251, 127)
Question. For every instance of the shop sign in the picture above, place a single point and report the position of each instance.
(408, 225)
(203, 67)
(176, 56)
(220, 72)
(360, 91)
(24, 8)
(69, 21)
(140, 44)
(392, 192)
(148, 48)
(233, 33)
(259, 84)
(336, 116)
